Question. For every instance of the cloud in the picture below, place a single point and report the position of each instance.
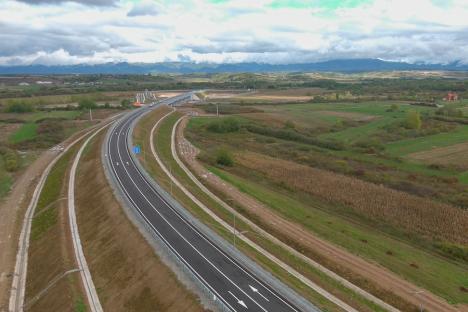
(85, 2)
(268, 31)
(144, 8)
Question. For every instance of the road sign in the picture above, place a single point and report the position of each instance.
(137, 149)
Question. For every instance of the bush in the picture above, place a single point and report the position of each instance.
(224, 158)
(394, 108)
(11, 159)
(18, 107)
(290, 135)
(413, 120)
(455, 250)
(224, 125)
(86, 104)
(450, 111)
(289, 124)
(125, 103)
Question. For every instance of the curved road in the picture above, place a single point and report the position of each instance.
(232, 283)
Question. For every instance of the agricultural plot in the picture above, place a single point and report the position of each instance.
(310, 116)
(409, 146)
(456, 154)
(383, 116)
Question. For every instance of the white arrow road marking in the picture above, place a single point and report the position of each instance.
(238, 301)
(255, 290)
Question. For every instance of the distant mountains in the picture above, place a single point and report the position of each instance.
(345, 66)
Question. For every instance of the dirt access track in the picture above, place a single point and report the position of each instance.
(12, 209)
(370, 271)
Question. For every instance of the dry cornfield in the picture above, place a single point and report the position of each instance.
(408, 212)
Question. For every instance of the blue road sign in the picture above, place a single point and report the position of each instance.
(137, 149)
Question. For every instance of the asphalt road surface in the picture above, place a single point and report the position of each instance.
(232, 283)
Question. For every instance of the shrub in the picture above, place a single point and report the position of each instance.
(224, 125)
(86, 104)
(125, 103)
(450, 111)
(18, 107)
(394, 108)
(11, 159)
(224, 158)
(289, 124)
(290, 135)
(413, 120)
(455, 250)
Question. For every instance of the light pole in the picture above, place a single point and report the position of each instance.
(230, 200)
(417, 292)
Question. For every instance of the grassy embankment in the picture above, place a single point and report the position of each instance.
(163, 146)
(49, 252)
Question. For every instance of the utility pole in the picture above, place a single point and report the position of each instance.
(90, 115)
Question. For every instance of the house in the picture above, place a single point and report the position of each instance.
(451, 96)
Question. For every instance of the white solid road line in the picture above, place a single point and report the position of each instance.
(188, 242)
(255, 290)
(241, 302)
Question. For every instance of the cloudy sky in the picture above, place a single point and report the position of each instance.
(269, 31)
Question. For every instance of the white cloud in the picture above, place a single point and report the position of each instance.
(72, 32)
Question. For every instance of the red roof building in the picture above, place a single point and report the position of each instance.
(451, 96)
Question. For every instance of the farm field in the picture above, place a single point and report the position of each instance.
(26, 133)
(294, 158)
(447, 155)
(405, 147)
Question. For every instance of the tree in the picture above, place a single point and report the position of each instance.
(125, 103)
(394, 108)
(289, 124)
(413, 120)
(19, 107)
(224, 158)
(86, 104)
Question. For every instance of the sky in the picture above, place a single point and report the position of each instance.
(58, 32)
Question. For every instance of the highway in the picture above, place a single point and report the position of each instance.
(231, 283)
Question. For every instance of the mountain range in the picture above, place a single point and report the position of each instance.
(344, 66)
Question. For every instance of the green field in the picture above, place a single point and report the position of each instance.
(26, 132)
(405, 147)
